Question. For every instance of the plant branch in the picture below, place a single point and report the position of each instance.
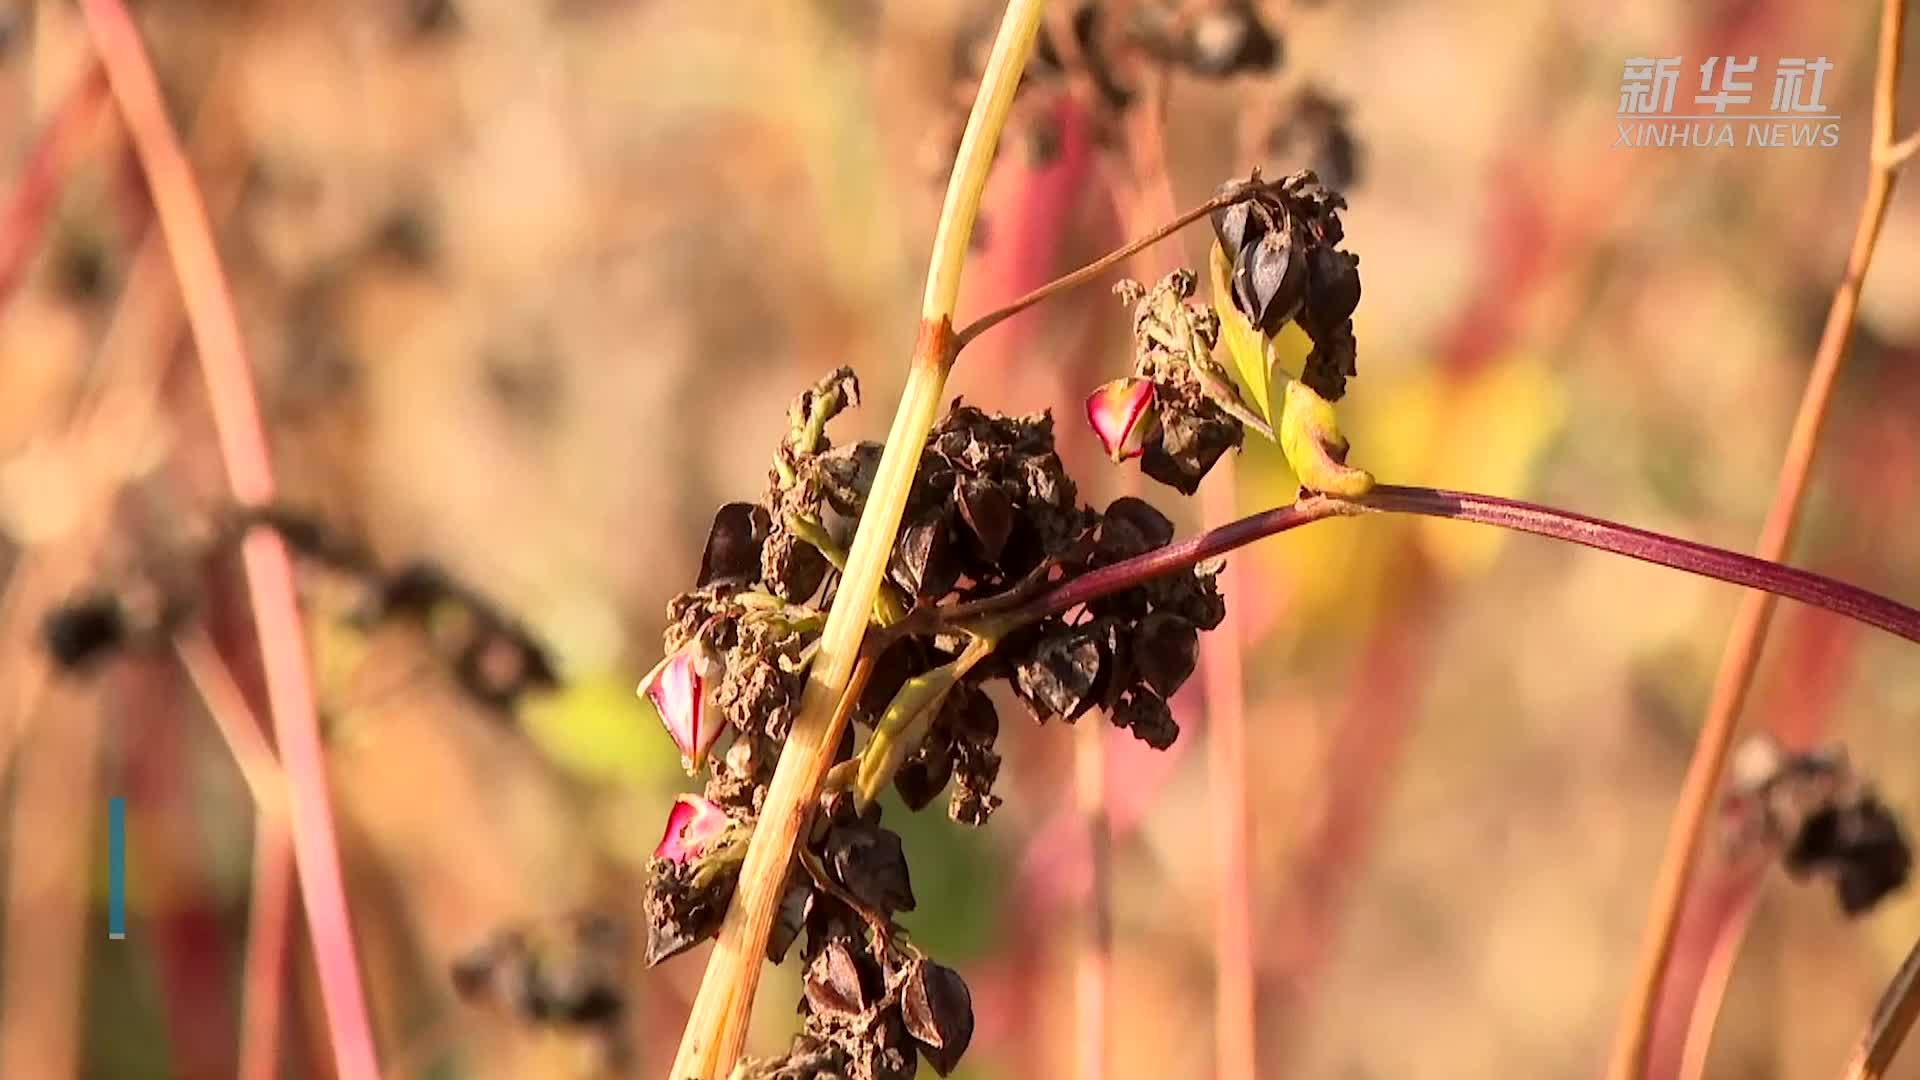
(1628, 1060)
(1098, 266)
(223, 362)
(44, 175)
(265, 964)
(1686, 555)
(1892, 1020)
(717, 1028)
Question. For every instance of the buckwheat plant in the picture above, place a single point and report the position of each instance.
(843, 628)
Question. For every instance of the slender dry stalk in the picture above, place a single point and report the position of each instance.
(1093, 962)
(1222, 672)
(1742, 653)
(264, 972)
(1715, 976)
(44, 176)
(49, 864)
(717, 1028)
(1892, 1019)
(183, 221)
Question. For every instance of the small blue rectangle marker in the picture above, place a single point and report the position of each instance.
(116, 869)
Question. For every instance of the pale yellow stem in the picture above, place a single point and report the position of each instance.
(716, 1030)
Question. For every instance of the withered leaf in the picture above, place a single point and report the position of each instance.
(1145, 713)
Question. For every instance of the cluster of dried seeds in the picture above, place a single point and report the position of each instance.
(1284, 247)
(992, 518)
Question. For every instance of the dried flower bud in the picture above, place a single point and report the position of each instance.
(1231, 41)
(564, 973)
(81, 632)
(1823, 818)
(681, 688)
(693, 825)
(1123, 417)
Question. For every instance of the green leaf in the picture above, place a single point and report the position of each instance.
(1252, 351)
(1310, 437)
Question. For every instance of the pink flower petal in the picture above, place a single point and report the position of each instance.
(692, 826)
(1123, 417)
(680, 688)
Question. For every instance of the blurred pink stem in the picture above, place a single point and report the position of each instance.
(1093, 966)
(243, 448)
(42, 178)
(264, 973)
(1221, 658)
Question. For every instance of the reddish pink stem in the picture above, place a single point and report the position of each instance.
(243, 448)
(41, 179)
(266, 948)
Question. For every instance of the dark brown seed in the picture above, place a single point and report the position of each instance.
(988, 514)
(732, 555)
(1058, 680)
(833, 983)
(1333, 287)
(1230, 40)
(938, 1010)
(870, 862)
(1165, 647)
(1132, 527)
(1237, 225)
(925, 773)
(1270, 280)
(83, 631)
(924, 563)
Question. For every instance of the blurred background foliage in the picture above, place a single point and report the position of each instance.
(529, 284)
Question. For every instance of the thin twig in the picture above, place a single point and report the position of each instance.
(1098, 266)
(1892, 1019)
(243, 445)
(228, 707)
(1628, 1060)
(716, 1030)
(1222, 672)
(1899, 152)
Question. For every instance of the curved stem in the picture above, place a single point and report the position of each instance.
(1703, 559)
